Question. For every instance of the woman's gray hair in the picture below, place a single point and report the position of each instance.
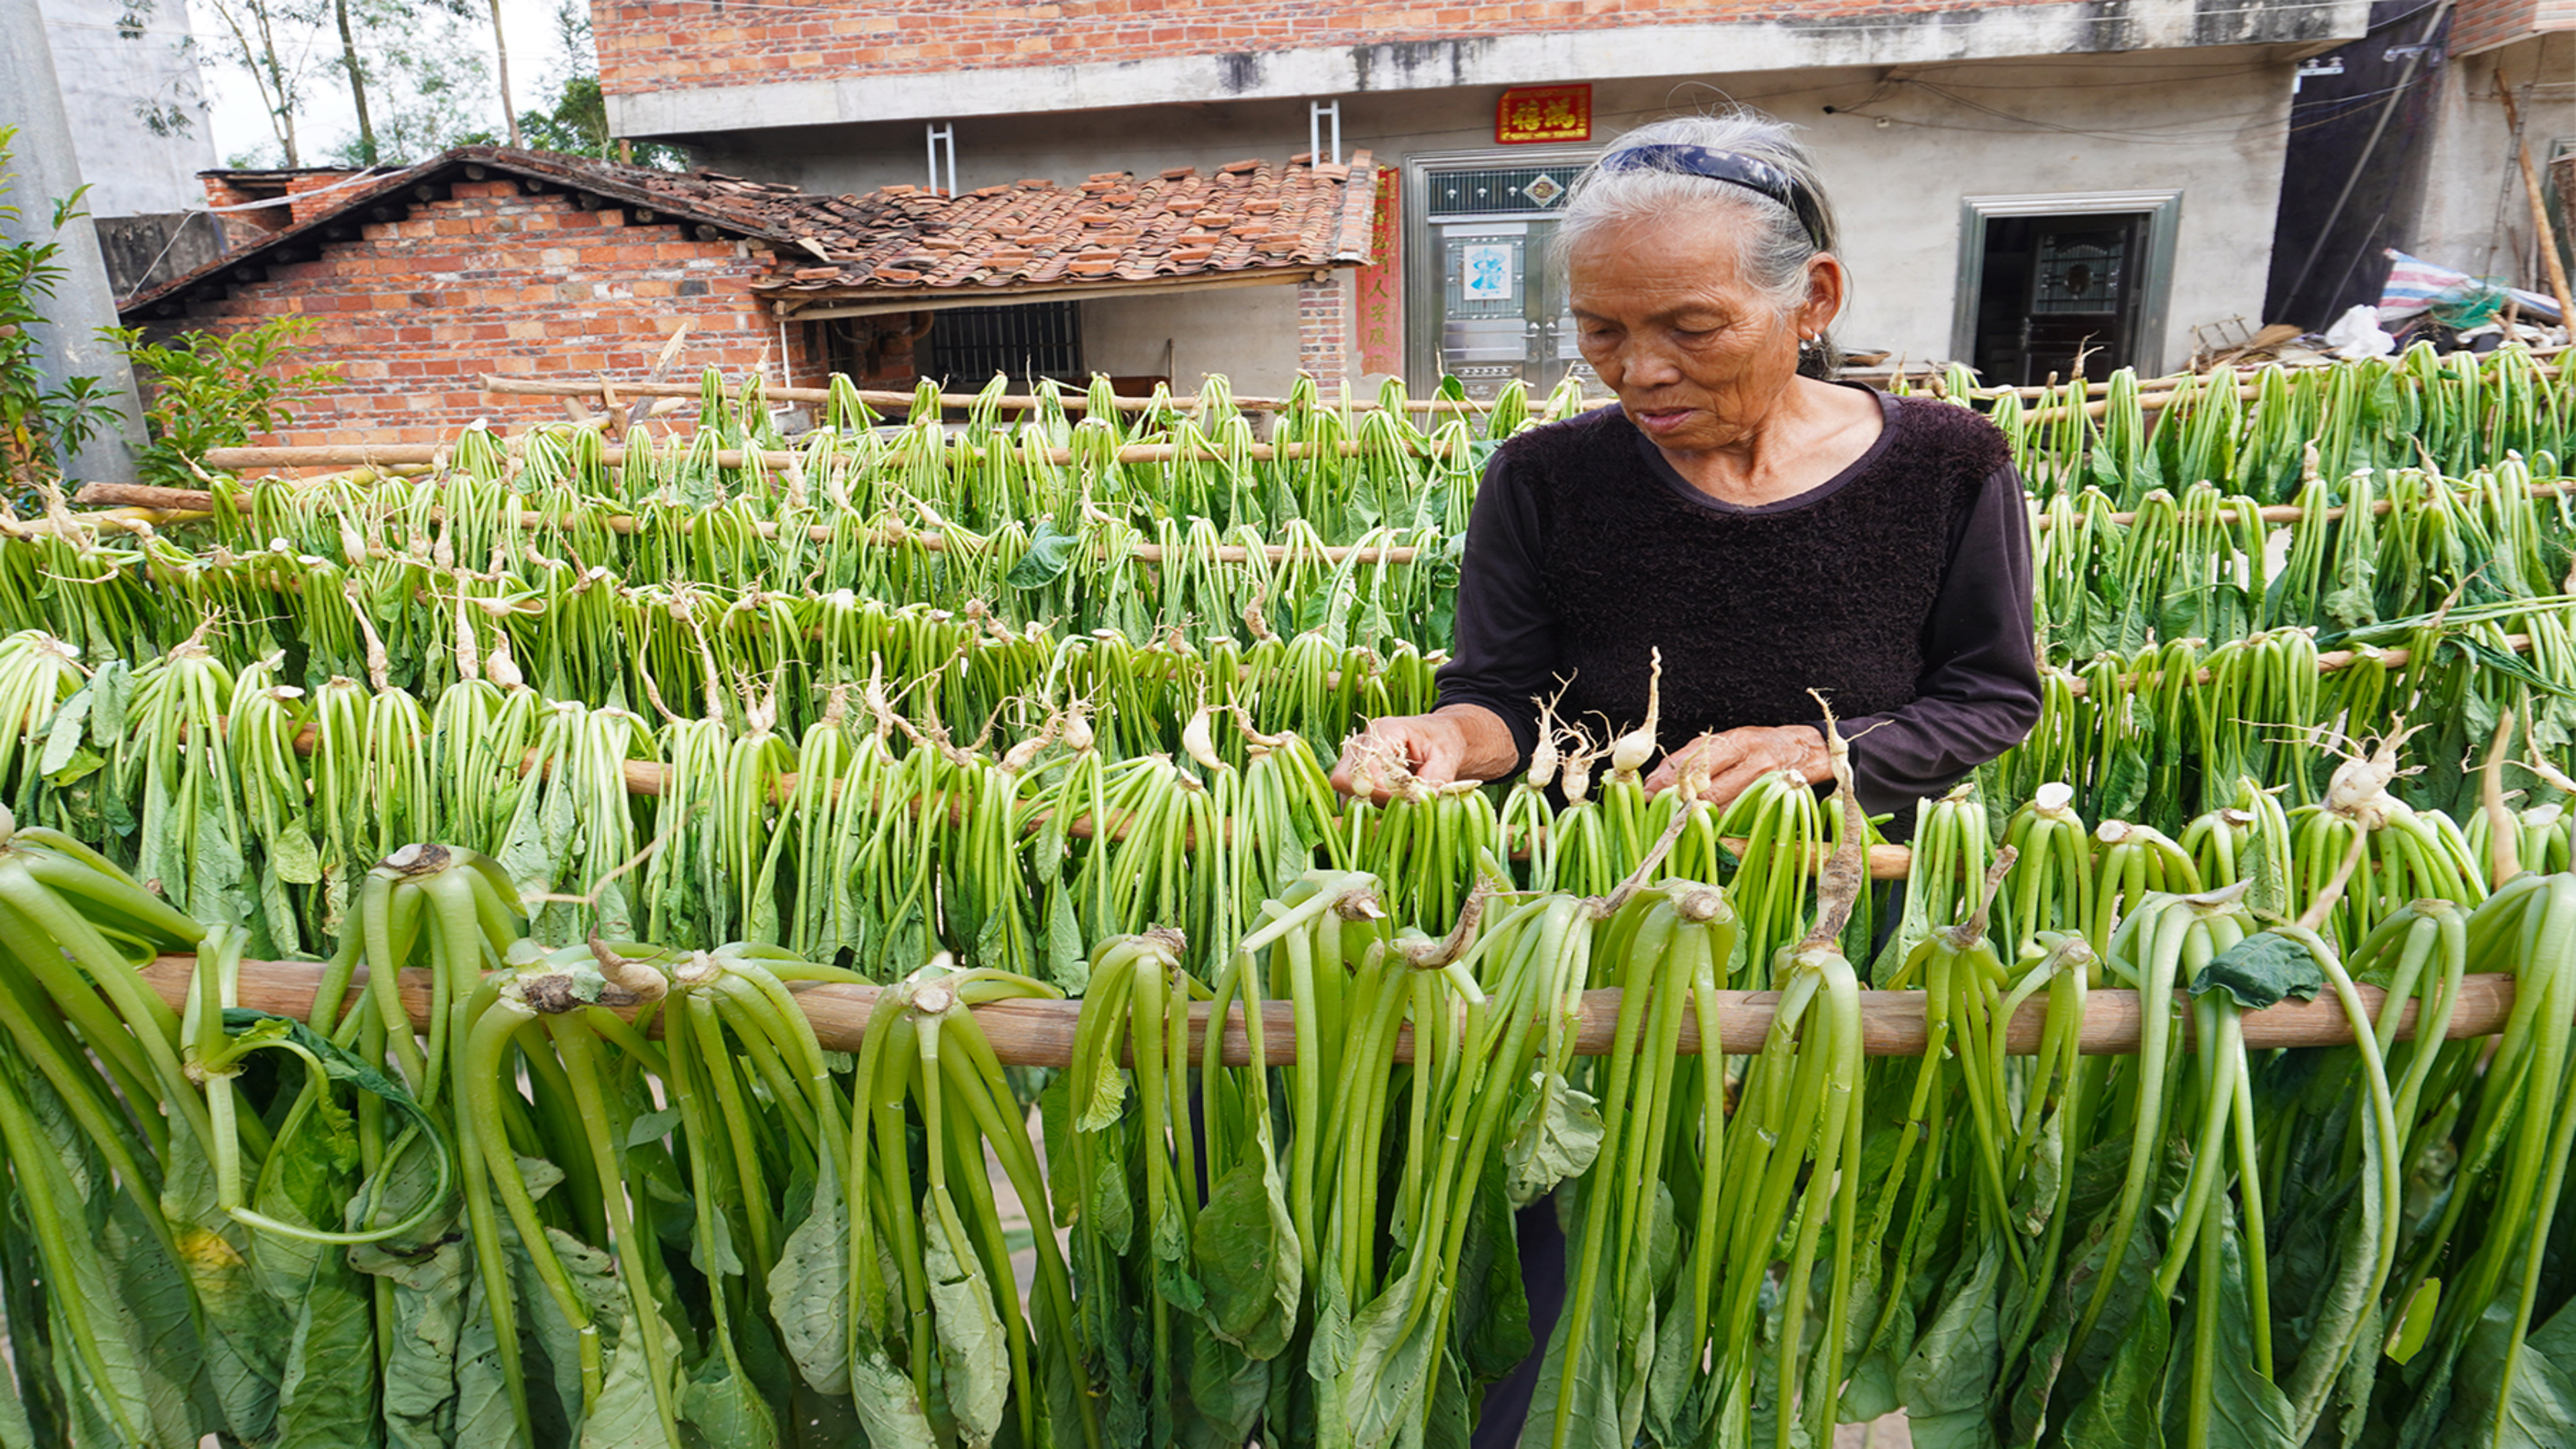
(1652, 186)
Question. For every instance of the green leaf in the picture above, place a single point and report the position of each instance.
(1068, 965)
(63, 738)
(974, 1356)
(2124, 784)
(308, 1179)
(651, 1127)
(321, 1403)
(626, 1416)
(1491, 1306)
(292, 856)
(1245, 1256)
(888, 1405)
(1555, 1136)
(2489, 659)
(1394, 1349)
(1049, 553)
(1227, 1389)
(2417, 1324)
(422, 1338)
(720, 1409)
(1945, 1382)
(2262, 970)
(809, 1290)
(2124, 1411)
(1612, 1363)
(2268, 875)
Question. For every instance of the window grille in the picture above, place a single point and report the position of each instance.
(1036, 339)
(1535, 189)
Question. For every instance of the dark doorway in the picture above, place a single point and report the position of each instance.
(2056, 288)
(2361, 118)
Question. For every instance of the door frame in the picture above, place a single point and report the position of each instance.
(1422, 285)
(2163, 211)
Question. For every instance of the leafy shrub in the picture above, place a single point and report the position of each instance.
(219, 390)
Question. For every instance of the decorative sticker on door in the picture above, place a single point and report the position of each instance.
(1486, 272)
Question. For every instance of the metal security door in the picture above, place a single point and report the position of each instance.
(1500, 314)
(1503, 309)
(1486, 332)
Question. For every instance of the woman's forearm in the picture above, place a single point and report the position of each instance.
(1489, 752)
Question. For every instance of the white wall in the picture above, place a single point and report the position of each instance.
(1249, 334)
(2210, 122)
(2476, 217)
(130, 170)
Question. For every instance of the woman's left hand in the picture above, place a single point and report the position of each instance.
(1733, 759)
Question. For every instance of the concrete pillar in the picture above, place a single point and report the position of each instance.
(42, 169)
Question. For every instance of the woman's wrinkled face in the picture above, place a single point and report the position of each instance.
(1663, 314)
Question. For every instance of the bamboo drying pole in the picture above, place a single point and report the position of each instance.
(2333, 661)
(191, 501)
(2291, 513)
(318, 455)
(608, 389)
(646, 777)
(1040, 1033)
(2168, 390)
(2154, 393)
(189, 505)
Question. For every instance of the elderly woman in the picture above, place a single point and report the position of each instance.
(1769, 530)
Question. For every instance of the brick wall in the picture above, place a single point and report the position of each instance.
(242, 227)
(647, 45)
(494, 280)
(1324, 329)
(2483, 24)
(313, 193)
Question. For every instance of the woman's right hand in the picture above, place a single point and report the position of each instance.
(1456, 742)
(1376, 760)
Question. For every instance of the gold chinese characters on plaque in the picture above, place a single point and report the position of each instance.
(1534, 114)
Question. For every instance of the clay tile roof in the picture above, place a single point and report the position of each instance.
(1250, 217)
(730, 205)
(1112, 229)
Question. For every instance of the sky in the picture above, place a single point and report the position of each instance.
(327, 118)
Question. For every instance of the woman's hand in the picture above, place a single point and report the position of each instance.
(1459, 742)
(1733, 759)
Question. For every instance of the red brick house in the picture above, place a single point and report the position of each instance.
(493, 260)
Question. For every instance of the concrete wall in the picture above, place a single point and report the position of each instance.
(129, 169)
(2475, 216)
(1901, 150)
(671, 70)
(1247, 333)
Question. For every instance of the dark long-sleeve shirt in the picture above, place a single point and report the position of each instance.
(1583, 520)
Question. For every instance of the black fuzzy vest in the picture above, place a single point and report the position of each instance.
(1751, 609)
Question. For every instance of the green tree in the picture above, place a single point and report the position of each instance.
(272, 42)
(40, 427)
(577, 123)
(428, 83)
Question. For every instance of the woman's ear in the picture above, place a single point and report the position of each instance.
(1828, 287)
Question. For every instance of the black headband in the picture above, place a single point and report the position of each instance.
(1760, 177)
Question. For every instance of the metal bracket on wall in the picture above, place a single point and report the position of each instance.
(1321, 115)
(938, 140)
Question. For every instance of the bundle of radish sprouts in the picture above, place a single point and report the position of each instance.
(661, 935)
